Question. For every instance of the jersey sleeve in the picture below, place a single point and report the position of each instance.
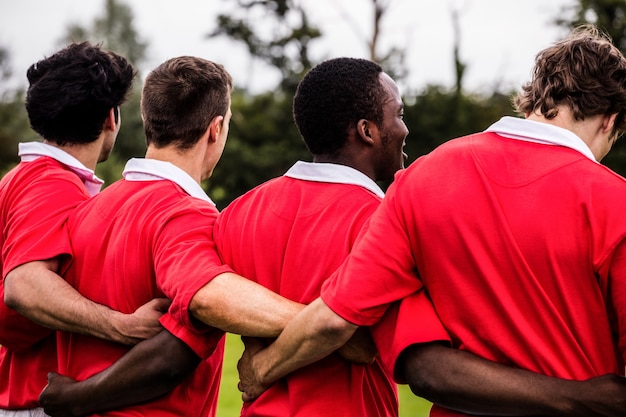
(186, 259)
(380, 269)
(411, 321)
(34, 230)
(202, 341)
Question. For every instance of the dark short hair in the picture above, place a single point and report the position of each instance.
(585, 72)
(71, 92)
(180, 98)
(333, 97)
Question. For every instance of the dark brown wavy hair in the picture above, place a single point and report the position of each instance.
(584, 72)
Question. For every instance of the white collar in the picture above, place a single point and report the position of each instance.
(30, 151)
(333, 173)
(141, 169)
(538, 132)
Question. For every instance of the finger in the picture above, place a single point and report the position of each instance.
(162, 304)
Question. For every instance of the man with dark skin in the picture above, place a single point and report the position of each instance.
(371, 146)
(518, 236)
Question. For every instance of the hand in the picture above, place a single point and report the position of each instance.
(144, 322)
(360, 349)
(57, 399)
(603, 396)
(249, 385)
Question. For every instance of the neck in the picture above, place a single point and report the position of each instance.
(356, 160)
(189, 160)
(589, 129)
(87, 153)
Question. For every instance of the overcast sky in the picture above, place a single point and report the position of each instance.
(499, 37)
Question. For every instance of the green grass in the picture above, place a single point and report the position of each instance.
(230, 398)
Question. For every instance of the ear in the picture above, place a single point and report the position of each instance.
(215, 127)
(608, 122)
(366, 131)
(110, 122)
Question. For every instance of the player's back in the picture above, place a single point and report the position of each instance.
(290, 235)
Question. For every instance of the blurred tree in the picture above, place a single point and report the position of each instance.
(610, 16)
(114, 29)
(5, 66)
(14, 128)
(394, 60)
(286, 48)
(428, 116)
(14, 125)
(263, 142)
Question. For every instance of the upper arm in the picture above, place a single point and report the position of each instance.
(186, 258)
(16, 331)
(22, 282)
(406, 323)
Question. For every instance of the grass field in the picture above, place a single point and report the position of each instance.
(230, 397)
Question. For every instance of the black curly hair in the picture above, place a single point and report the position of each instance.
(71, 92)
(333, 97)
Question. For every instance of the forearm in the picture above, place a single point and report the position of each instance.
(150, 369)
(309, 337)
(237, 305)
(360, 348)
(28, 290)
(464, 382)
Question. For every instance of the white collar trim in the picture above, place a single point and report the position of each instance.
(30, 151)
(538, 132)
(141, 169)
(332, 173)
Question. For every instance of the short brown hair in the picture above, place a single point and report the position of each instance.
(585, 72)
(180, 97)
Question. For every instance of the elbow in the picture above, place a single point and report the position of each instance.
(416, 367)
(334, 328)
(12, 291)
(171, 360)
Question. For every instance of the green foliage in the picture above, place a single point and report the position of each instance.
(609, 15)
(263, 143)
(114, 30)
(5, 68)
(14, 128)
(131, 140)
(438, 115)
(287, 46)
